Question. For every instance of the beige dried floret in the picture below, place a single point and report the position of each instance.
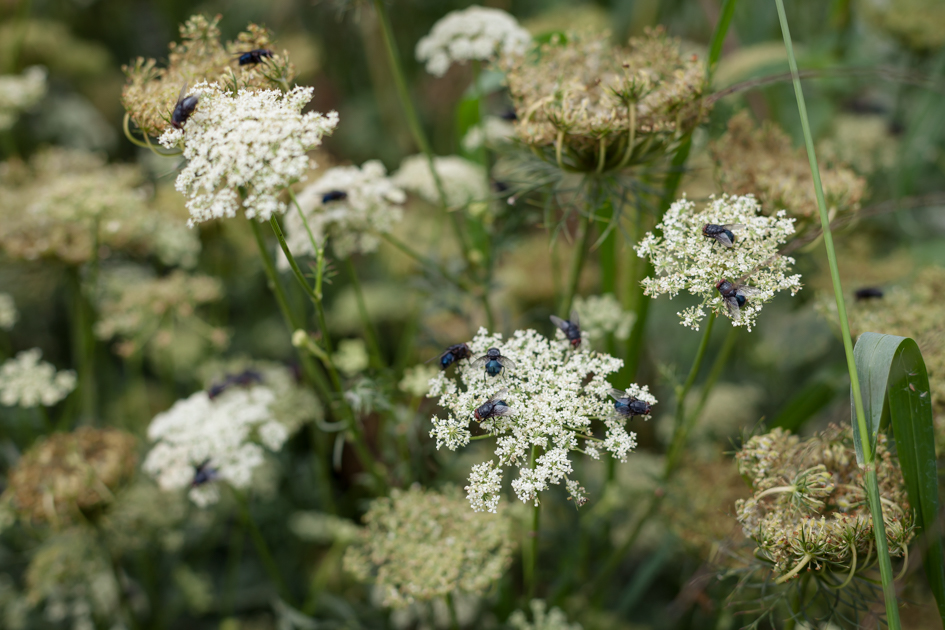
(763, 162)
(151, 93)
(66, 474)
(592, 106)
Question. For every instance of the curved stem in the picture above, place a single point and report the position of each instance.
(299, 276)
(577, 263)
(797, 569)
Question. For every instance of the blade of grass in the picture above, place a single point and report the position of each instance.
(872, 486)
(893, 372)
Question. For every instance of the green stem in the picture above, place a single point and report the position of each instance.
(714, 373)
(680, 428)
(233, 559)
(530, 546)
(577, 263)
(83, 344)
(876, 510)
(451, 606)
(265, 556)
(373, 346)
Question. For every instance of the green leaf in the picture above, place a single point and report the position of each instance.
(895, 385)
(718, 37)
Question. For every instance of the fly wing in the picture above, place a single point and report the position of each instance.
(732, 305)
(183, 92)
(618, 394)
(499, 395)
(734, 226)
(574, 318)
(439, 356)
(560, 323)
(502, 410)
(748, 291)
(506, 363)
(723, 238)
(481, 361)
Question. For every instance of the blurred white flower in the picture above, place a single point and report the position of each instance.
(601, 315)
(544, 619)
(463, 181)
(348, 205)
(249, 143)
(20, 92)
(686, 259)
(491, 131)
(416, 380)
(225, 433)
(475, 33)
(351, 356)
(8, 313)
(554, 393)
(26, 381)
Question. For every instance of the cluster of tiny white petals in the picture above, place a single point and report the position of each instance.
(26, 381)
(685, 259)
(476, 33)
(490, 132)
(555, 393)
(228, 432)
(8, 312)
(251, 142)
(463, 181)
(370, 207)
(601, 315)
(20, 92)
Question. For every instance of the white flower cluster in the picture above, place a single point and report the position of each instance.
(251, 141)
(368, 207)
(8, 313)
(225, 433)
(601, 315)
(416, 379)
(475, 33)
(555, 394)
(19, 93)
(463, 181)
(685, 259)
(26, 381)
(490, 132)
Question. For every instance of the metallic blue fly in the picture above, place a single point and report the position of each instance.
(493, 361)
(627, 405)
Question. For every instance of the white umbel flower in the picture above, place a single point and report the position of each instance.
(251, 141)
(475, 33)
(463, 181)
(369, 206)
(20, 92)
(28, 382)
(227, 432)
(684, 259)
(491, 131)
(555, 394)
(8, 313)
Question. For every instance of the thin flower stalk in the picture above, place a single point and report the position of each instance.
(872, 486)
(373, 346)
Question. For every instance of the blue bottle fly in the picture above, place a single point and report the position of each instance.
(735, 296)
(724, 234)
(184, 108)
(570, 327)
(252, 57)
(334, 195)
(493, 407)
(204, 474)
(627, 405)
(493, 361)
(243, 379)
(452, 354)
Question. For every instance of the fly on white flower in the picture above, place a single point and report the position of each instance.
(546, 408)
(245, 149)
(736, 279)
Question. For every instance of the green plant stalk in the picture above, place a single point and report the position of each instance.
(577, 263)
(83, 346)
(373, 346)
(265, 556)
(714, 373)
(530, 546)
(608, 254)
(876, 510)
(680, 427)
(233, 559)
(451, 606)
(309, 367)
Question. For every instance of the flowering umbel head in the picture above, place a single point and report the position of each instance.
(417, 545)
(476, 33)
(554, 393)
(684, 258)
(348, 205)
(244, 149)
(809, 507)
(27, 381)
(590, 106)
(150, 94)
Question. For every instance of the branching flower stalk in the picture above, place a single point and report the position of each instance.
(872, 486)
